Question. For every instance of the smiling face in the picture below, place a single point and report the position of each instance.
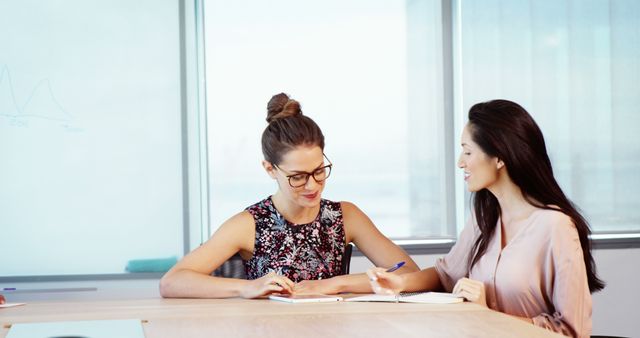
(480, 170)
(296, 164)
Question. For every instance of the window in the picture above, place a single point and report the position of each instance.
(368, 72)
(375, 75)
(574, 66)
(91, 136)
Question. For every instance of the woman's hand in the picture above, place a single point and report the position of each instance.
(323, 286)
(472, 290)
(267, 284)
(385, 283)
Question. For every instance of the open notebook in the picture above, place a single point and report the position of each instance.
(410, 297)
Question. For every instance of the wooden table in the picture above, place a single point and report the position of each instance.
(265, 318)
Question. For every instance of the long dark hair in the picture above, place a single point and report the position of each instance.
(505, 130)
(287, 129)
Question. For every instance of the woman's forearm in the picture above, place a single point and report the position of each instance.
(359, 283)
(355, 283)
(191, 284)
(422, 280)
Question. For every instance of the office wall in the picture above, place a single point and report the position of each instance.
(615, 309)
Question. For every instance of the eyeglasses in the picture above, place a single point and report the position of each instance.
(300, 178)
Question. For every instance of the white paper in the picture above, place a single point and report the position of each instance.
(11, 304)
(305, 298)
(424, 297)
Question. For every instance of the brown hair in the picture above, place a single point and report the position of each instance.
(287, 129)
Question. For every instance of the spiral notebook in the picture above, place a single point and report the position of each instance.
(410, 297)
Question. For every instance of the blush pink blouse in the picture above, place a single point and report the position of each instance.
(539, 274)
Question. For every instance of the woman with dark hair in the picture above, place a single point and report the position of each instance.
(525, 251)
(292, 241)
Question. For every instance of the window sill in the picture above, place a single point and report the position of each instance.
(616, 241)
(442, 246)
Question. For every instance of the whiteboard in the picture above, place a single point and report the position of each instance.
(90, 135)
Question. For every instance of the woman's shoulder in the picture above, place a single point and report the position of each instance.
(242, 218)
(348, 208)
(553, 215)
(350, 212)
(556, 222)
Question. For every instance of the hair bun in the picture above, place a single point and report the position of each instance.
(281, 106)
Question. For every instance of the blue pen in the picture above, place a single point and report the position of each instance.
(395, 267)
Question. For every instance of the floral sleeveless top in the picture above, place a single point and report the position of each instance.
(298, 251)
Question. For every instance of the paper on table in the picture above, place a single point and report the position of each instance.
(305, 298)
(11, 304)
(416, 297)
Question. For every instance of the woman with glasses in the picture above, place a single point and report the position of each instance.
(292, 241)
(525, 250)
